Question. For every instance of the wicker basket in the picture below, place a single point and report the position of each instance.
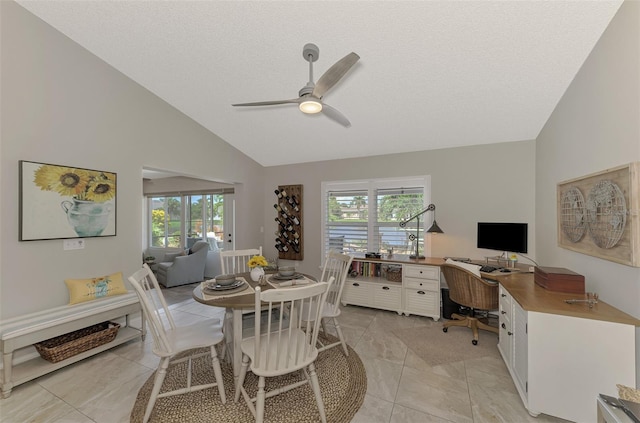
(65, 346)
(394, 273)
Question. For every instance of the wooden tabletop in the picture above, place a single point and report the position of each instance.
(238, 301)
(532, 297)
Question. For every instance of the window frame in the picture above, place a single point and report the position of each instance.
(371, 186)
(185, 199)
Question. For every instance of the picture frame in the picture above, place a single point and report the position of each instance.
(598, 214)
(65, 202)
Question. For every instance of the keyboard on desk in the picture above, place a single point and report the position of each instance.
(488, 269)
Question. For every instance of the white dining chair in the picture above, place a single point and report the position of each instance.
(235, 261)
(336, 265)
(170, 340)
(284, 343)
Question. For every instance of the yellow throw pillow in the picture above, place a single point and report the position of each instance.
(81, 290)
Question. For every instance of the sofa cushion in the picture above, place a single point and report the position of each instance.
(81, 290)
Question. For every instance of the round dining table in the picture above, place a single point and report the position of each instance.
(236, 306)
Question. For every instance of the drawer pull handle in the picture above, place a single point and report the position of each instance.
(421, 292)
(509, 333)
(503, 326)
(386, 288)
(503, 295)
(355, 284)
(503, 312)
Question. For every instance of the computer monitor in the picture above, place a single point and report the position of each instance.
(509, 237)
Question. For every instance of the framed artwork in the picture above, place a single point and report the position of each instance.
(598, 214)
(61, 202)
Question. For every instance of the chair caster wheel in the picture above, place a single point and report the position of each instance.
(445, 330)
(474, 342)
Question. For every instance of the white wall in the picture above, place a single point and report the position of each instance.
(595, 126)
(62, 105)
(469, 184)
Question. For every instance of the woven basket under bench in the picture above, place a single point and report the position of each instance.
(65, 346)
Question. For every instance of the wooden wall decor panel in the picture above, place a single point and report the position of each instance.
(289, 234)
(599, 214)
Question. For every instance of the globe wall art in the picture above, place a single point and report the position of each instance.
(61, 202)
(598, 214)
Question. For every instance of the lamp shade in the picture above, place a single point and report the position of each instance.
(310, 106)
(435, 229)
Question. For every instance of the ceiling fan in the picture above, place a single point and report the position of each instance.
(310, 96)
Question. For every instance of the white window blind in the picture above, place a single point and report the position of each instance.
(362, 216)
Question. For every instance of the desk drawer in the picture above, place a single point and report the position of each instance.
(422, 272)
(422, 284)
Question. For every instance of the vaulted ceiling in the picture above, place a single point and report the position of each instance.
(431, 74)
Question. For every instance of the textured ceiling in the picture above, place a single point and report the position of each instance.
(432, 74)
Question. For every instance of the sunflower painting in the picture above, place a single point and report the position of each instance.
(65, 202)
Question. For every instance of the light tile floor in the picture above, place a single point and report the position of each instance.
(402, 388)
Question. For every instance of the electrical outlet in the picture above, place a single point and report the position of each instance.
(73, 244)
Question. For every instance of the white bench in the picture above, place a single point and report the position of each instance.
(23, 331)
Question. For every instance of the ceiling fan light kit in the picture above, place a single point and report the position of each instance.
(310, 106)
(310, 96)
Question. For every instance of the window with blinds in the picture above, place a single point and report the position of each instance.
(362, 216)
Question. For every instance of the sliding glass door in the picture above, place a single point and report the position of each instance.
(181, 220)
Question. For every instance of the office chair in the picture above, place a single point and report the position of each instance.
(469, 290)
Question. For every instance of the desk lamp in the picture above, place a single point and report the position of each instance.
(433, 229)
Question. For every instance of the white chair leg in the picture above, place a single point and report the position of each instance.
(243, 373)
(260, 397)
(324, 327)
(315, 385)
(218, 373)
(157, 384)
(339, 331)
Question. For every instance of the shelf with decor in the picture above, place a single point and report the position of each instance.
(396, 283)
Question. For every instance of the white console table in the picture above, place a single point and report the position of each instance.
(418, 291)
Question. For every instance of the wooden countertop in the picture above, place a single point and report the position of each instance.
(524, 290)
(532, 297)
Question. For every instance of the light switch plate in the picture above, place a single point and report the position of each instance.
(73, 244)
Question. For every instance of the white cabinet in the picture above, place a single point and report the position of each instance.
(380, 294)
(561, 356)
(421, 289)
(512, 343)
(505, 342)
(417, 293)
(387, 296)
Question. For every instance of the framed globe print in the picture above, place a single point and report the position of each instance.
(598, 214)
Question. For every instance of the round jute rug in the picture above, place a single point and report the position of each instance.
(343, 383)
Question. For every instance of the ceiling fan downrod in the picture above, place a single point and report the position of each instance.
(310, 52)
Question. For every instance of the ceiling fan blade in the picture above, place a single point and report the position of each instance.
(334, 74)
(269, 103)
(334, 114)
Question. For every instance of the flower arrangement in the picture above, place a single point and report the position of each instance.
(257, 261)
(81, 184)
